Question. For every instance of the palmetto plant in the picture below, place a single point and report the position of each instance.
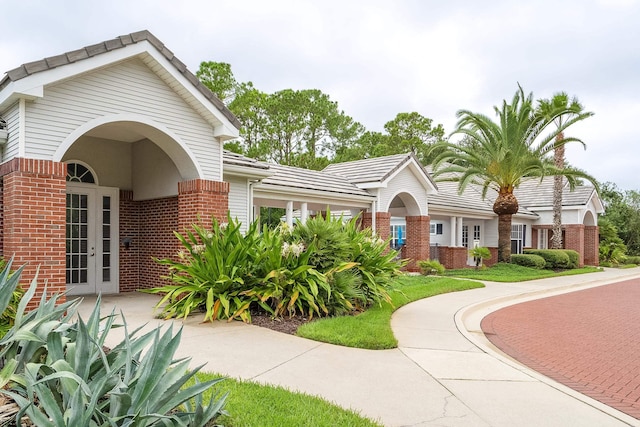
(57, 371)
(499, 155)
(564, 112)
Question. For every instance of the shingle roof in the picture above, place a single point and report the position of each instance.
(291, 177)
(120, 42)
(231, 158)
(536, 193)
(530, 194)
(376, 169)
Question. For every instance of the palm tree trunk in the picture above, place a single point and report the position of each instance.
(504, 238)
(558, 159)
(505, 206)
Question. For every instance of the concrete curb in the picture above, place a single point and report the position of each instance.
(467, 320)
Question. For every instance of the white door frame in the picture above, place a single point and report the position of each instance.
(102, 249)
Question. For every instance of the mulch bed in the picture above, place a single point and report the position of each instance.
(287, 325)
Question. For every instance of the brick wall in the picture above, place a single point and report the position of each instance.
(591, 245)
(33, 202)
(574, 239)
(199, 200)
(494, 257)
(383, 223)
(453, 257)
(417, 242)
(129, 228)
(158, 220)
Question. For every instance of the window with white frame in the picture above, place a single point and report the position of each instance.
(465, 236)
(543, 238)
(436, 228)
(476, 232)
(398, 235)
(518, 234)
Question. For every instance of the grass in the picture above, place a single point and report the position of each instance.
(372, 328)
(250, 404)
(514, 273)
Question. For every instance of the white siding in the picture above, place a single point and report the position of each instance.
(490, 233)
(127, 87)
(12, 117)
(405, 181)
(238, 194)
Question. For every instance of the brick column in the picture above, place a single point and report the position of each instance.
(574, 239)
(418, 238)
(200, 198)
(383, 223)
(33, 201)
(591, 245)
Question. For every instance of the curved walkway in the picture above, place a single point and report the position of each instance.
(444, 373)
(587, 340)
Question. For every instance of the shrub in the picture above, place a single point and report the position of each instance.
(528, 260)
(632, 259)
(430, 267)
(213, 272)
(57, 371)
(574, 257)
(554, 258)
(479, 254)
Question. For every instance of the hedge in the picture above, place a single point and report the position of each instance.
(557, 258)
(528, 260)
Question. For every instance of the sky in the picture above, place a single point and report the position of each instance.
(380, 58)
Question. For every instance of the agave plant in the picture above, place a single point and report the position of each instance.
(57, 371)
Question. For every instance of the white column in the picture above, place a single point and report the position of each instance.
(459, 236)
(290, 213)
(453, 231)
(373, 217)
(304, 213)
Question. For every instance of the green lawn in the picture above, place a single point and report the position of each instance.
(372, 328)
(250, 404)
(514, 273)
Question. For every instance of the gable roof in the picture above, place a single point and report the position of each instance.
(378, 170)
(536, 193)
(305, 179)
(82, 54)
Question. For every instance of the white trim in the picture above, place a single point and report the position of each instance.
(22, 128)
(185, 165)
(421, 210)
(86, 165)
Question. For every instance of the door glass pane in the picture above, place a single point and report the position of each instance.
(106, 238)
(76, 239)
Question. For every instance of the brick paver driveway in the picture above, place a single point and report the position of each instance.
(587, 340)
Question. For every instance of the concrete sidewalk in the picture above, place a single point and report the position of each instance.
(444, 372)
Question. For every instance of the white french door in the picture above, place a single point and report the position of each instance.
(91, 239)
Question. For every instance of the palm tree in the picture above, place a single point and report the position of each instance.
(575, 113)
(501, 154)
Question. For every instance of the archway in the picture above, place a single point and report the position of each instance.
(409, 228)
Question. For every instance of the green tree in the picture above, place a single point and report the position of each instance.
(564, 112)
(622, 211)
(291, 127)
(512, 149)
(217, 76)
(407, 132)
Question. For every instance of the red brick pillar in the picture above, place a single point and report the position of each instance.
(574, 239)
(591, 245)
(199, 200)
(383, 223)
(33, 201)
(418, 238)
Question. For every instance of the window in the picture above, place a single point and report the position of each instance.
(518, 238)
(465, 236)
(476, 232)
(543, 238)
(436, 228)
(79, 173)
(398, 235)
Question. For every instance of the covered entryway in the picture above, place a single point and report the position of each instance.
(91, 234)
